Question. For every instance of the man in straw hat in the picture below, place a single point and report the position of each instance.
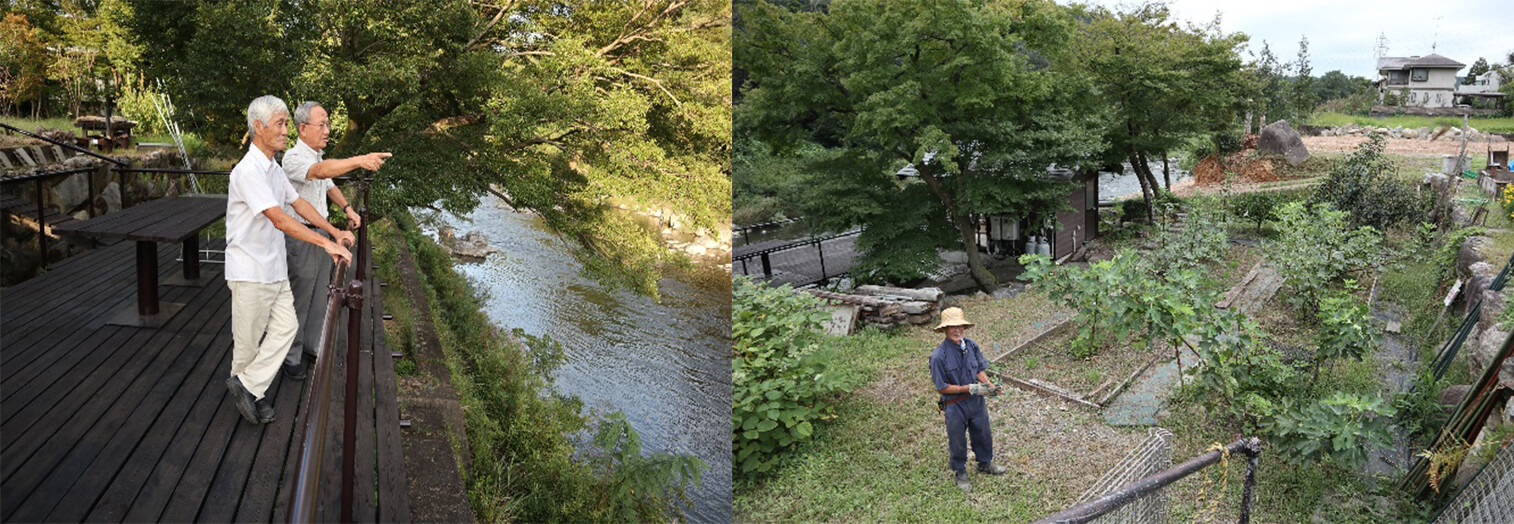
(961, 375)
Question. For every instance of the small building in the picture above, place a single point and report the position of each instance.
(1482, 91)
(1011, 235)
(1418, 81)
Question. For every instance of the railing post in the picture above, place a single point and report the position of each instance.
(1253, 452)
(820, 246)
(349, 421)
(41, 226)
(125, 192)
(90, 181)
(767, 267)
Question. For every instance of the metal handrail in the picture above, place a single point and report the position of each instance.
(1087, 511)
(62, 144)
(302, 499)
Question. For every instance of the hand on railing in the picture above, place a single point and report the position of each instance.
(345, 238)
(339, 254)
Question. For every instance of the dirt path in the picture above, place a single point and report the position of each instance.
(427, 399)
(1401, 146)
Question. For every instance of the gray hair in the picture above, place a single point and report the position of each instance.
(263, 109)
(302, 113)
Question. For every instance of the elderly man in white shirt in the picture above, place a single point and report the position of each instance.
(311, 175)
(262, 309)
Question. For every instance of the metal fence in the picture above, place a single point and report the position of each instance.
(1118, 497)
(805, 262)
(1153, 455)
(1489, 498)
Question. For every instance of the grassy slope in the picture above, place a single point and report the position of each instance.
(1493, 125)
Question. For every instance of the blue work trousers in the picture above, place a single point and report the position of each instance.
(968, 419)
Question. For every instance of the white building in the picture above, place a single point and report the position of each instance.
(1419, 81)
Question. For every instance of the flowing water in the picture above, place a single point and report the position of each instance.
(1124, 183)
(665, 365)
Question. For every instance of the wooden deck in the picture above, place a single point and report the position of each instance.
(113, 423)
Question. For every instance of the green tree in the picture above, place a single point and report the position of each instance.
(553, 106)
(977, 96)
(1303, 97)
(1335, 85)
(1165, 84)
(1268, 87)
(23, 63)
(1479, 68)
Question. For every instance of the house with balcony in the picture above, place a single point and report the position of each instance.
(1418, 81)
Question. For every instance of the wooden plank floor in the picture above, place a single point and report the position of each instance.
(108, 423)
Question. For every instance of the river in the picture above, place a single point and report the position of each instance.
(665, 365)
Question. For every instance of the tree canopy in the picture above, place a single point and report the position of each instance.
(553, 106)
(1163, 83)
(976, 95)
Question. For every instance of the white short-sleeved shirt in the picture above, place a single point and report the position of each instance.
(254, 247)
(297, 163)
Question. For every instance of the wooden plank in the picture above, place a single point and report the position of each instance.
(1044, 390)
(45, 310)
(329, 492)
(153, 470)
(44, 474)
(393, 485)
(226, 428)
(364, 476)
(125, 430)
(268, 466)
(25, 366)
(230, 476)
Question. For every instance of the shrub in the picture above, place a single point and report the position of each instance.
(1237, 376)
(1345, 330)
(1203, 240)
(781, 373)
(1260, 207)
(1337, 430)
(1364, 186)
(1317, 249)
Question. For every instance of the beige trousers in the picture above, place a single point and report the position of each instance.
(258, 309)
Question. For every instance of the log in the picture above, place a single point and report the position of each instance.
(930, 294)
(872, 302)
(918, 307)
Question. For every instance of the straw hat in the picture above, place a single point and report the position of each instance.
(952, 316)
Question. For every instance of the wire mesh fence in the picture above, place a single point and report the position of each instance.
(1489, 498)
(1149, 457)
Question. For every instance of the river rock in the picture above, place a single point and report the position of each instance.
(471, 245)
(1470, 253)
(1279, 138)
(1493, 304)
(72, 191)
(110, 197)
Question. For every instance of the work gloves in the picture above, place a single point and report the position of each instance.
(982, 389)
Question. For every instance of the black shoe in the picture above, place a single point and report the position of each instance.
(295, 371)
(962, 482)
(992, 469)
(243, 400)
(265, 410)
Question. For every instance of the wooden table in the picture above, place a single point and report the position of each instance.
(169, 219)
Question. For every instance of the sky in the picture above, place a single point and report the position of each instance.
(1343, 34)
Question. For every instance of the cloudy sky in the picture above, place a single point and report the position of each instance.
(1342, 33)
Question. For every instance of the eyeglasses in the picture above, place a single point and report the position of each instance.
(323, 125)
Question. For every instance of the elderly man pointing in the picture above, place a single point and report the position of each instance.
(263, 320)
(311, 175)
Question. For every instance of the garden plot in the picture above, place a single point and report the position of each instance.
(1046, 365)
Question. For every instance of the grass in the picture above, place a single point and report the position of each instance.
(1484, 124)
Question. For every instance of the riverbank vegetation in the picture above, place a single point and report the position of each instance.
(520, 430)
